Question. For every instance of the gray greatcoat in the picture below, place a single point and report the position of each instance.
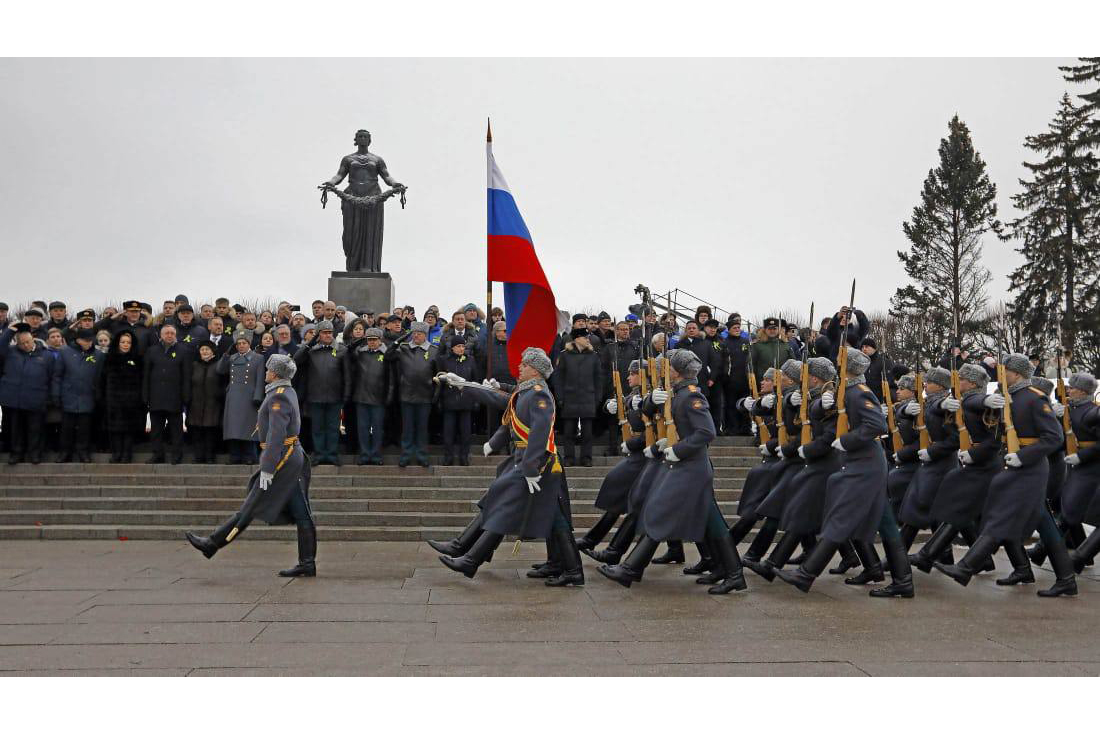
(963, 491)
(778, 491)
(615, 488)
(243, 394)
(278, 420)
(805, 506)
(855, 496)
(916, 507)
(1082, 480)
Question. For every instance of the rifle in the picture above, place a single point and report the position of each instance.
(762, 431)
(891, 419)
(645, 359)
(658, 423)
(922, 429)
(960, 420)
(804, 410)
(670, 425)
(1011, 438)
(1067, 423)
(842, 371)
(781, 427)
(624, 425)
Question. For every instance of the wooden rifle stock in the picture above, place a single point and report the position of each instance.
(842, 388)
(762, 431)
(1067, 423)
(960, 420)
(804, 409)
(1011, 439)
(670, 425)
(922, 430)
(891, 419)
(780, 426)
(624, 425)
(643, 381)
(659, 422)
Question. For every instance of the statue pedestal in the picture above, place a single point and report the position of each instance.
(361, 291)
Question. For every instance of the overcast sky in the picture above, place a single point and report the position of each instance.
(751, 183)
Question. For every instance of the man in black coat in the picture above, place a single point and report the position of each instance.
(848, 326)
(189, 331)
(881, 366)
(719, 370)
(131, 319)
(737, 378)
(165, 391)
(694, 341)
(218, 337)
(577, 386)
(616, 356)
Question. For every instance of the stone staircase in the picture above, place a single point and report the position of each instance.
(159, 502)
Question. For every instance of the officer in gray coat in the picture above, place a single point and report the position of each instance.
(525, 498)
(243, 395)
(681, 504)
(855, 496)
(278, 493)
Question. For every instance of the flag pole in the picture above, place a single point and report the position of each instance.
(488, 283)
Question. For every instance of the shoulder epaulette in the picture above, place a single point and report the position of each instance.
(864, 388)
(280, 390)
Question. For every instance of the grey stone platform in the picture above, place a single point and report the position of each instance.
(390, 608)
(361, 292)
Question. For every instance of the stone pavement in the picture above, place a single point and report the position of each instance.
(390, 608)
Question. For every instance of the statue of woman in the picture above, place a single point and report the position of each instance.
(363, 221)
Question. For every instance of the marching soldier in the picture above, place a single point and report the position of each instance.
(278, 493)
(761, 477)
(905, 460)
(1083, 474)
(681, 505)
(1014, 507)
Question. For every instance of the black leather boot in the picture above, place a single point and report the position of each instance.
(741, 528)
(209, 545)
(803, 577)
(930, 552)
(1021, 566)
(901, 575)
(552, 567)
(572, 573)
(598, 532)
(763, 540)
(908, 535)
(969, 536)
(307, 552)
(716, 571)
(462, 543)
(972, 562)
(848, 559)
(1083, 554)
(725, 553)
(808, 543)
(706, 561)
(872, 565)
(482, 548)
(674, 554)
(630, 570)
(620, 543)
(1065, 581)
(782, 552)
(1037, 553)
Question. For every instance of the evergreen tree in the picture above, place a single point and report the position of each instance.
(1087, 71)
(957, 209)
(1058, 280)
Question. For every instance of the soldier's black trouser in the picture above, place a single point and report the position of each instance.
(159, 422)
(76, 433)
(571, 435)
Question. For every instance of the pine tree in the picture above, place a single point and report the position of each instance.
(957, 209)
(1058, 280)
(1087, 71)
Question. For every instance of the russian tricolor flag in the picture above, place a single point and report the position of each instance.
(529, 307)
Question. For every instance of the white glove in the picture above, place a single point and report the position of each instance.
(661, 443)
(801, 453)
(491, 383)
(533, 484)
(659, 396)
(611, 406)
(452, 379)
(768, 401)
(486, 449)
(994, 401)
(951, 404)
(650, 452)
(1073, 459)
(924, 456)
(1059, 409)
(965, 458)
(623, 448)
(885, 410)
(828, 400)
(838, 445)
(635, 402)
(265, 480)
(764, 450)
(1013, 460)
(796, 398)
(670, 455)
(748, 403)
(911, 408)
(896, 459)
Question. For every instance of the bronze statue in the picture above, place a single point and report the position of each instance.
(362, 204)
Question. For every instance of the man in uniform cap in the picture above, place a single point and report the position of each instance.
(59, 316)
(33, 319)
(84, 320)
(770, 351)
(1079, 496)
(278, 493)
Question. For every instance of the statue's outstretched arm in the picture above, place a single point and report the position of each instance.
(341, 174)
(384, 174)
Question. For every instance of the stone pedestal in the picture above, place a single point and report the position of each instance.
(360, 292)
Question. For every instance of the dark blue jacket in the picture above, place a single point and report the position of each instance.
(76, 377)
(25, 378)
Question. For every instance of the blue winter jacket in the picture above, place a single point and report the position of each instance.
(25, 378)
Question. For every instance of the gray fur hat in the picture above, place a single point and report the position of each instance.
(1084, 382)
(419, 326)
(792, 368)
(242, 333)
(373, 333)
(1018, 363)
(635, 367)
(908, 382)
(282, 365)
(1043, 384)
(306, 329)
(537, 360)
(769, 374)
(325, 325)
(685, 361)
(822, 368)
(858, 362)
(939, 376)
(974, 373)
